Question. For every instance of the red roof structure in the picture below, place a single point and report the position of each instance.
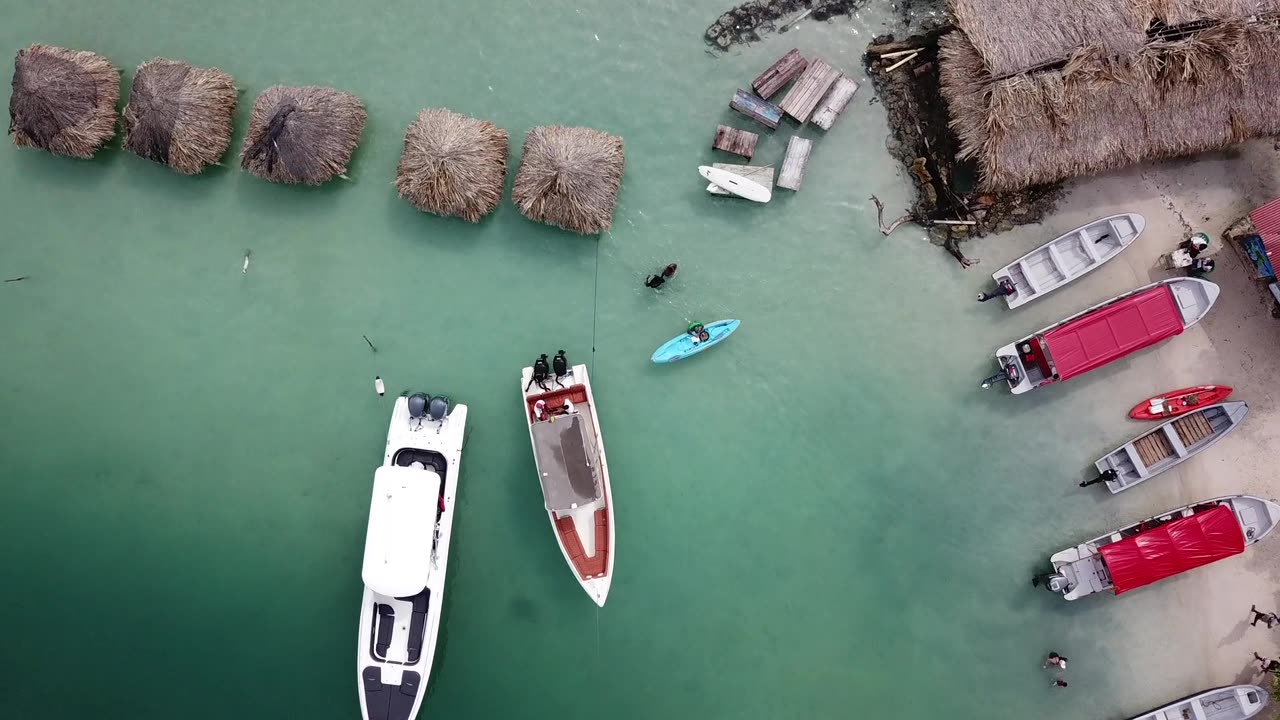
(1173, 548)
(1110, 333)
(1266, 220)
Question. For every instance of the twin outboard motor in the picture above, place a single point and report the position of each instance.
(423, 406)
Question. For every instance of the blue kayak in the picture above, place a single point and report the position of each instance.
(683, 345)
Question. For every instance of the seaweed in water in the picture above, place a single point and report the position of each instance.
(749, 21)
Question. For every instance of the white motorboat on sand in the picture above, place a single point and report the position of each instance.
(1234, 702)
(568, 451)
(406, 553)
(1162, 546)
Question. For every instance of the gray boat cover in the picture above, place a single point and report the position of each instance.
(565, 464)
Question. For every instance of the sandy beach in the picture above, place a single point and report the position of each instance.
(1191, 632)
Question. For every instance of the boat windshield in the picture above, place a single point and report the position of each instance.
(566, 462)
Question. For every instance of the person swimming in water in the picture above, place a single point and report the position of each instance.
(656, 281)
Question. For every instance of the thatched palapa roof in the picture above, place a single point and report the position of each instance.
(453, 165)
(179, 115)
(1041, 92)
(302, 134)
(570, 177)
(63, 101)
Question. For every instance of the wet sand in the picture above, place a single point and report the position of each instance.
(1189, 632)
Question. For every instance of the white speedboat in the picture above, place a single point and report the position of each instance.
(569, 453)
(1162, 546)
(406, 553)
(1234, 702)
(1068, 257)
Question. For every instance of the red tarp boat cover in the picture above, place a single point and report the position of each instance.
(1173, 548)
(1110, 333)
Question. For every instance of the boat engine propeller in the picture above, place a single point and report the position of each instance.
(1009, 373)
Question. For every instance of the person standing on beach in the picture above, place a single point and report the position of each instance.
(1055, 660)
(1268, 618)
(1270, 666)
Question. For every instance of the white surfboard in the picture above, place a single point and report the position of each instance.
(736, 184)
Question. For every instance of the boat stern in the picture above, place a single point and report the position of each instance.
(1012, 371)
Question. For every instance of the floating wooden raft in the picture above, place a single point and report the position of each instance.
(835, 102)
(779, 74)
(762, 174)
(733, 140)
(762, 111)
(805, 95)
(793, 164)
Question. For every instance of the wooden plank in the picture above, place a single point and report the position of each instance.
(794, 163)
(762, 174)
(733, 140)
(762, 111)
(779, 74)
(1192, 428)
(1153, 447)
(834, 103)
(808, 90)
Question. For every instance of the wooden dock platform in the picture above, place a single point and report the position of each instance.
(762, 174)
(809, 90)
(779, 74)
(794, 163)
(762, 111)
(834, 103)
(733, 140)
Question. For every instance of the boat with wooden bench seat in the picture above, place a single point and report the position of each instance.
(1161, 546)
(406, 554)
(1104, 333)
(1233, 702)
(1170, 444)
(1068, 257)
(569, 453)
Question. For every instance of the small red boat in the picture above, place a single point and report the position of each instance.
(1173, 404)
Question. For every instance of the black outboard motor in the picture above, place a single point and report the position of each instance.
(438, 408)
(418, 405)
(540, 372)
(560, 364)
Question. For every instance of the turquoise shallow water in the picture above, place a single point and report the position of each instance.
(807, 522)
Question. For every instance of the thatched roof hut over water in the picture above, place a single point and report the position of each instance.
(570, 177)
(453, 165)
(1038, 94)
(63, 101)
(179, 115)
(302, 134)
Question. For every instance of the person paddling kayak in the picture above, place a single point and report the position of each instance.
(699, 333)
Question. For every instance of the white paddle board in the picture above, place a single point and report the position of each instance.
(736, 184)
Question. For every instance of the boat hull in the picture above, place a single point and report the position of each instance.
(1233, 702)
(394, 665)
(1170, 444)
(585, 531)
(1179, 402)
(736, 184)
(1068, 257)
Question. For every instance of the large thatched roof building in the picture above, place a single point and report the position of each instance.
(63, 101)
(302, 134)
(453, 165)
(1040, 92)
(179, 115)
(570, 177)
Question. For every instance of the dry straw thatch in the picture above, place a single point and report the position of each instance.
(302, 134)
(453, 165)
(570, 177)
(1038, 96)
(179, 115)
(63, 101)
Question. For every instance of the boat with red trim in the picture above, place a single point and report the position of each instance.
(1178, 402)
(1104, 333)
(569, 453)
(1162, 546)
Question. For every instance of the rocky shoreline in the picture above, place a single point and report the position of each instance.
(749, 21)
